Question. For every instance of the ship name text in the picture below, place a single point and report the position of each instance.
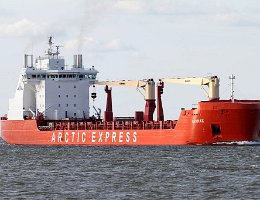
(197, 121)
(94, 137)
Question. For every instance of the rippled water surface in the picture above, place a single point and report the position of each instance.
(170, 172)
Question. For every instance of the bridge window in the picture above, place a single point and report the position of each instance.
(93, 76)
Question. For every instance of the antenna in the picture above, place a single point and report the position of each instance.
(232, 78)
(50, 41)
(57, 50)
(50, 46)
(50, 51)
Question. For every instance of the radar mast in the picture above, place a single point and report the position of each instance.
(50, 49)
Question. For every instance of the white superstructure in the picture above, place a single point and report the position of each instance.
(50, 88)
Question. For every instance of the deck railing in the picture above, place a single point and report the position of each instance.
(99, 125)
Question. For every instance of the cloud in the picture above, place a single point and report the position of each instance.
(221, 12)
(21, 27)
(168, 7)
(113, 45)
(73, 43)
(238, 19)
(128, 6)
(35, 32)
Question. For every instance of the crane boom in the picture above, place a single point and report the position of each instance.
(127, 83)
(147, 84)
(212, 82)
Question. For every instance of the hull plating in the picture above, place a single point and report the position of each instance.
(211, 122)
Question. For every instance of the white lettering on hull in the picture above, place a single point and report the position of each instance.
(100, 136)
(73, 135)
(196, 121)
(53, 137)
(83, 137)
(66, 137)
(59, 137)
(134, 137)
(127, 137)
(94, 137)
(114, 137)
(107, 136)
(120, 137)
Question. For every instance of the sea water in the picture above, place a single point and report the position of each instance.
(150, 172)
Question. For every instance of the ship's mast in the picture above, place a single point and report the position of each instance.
(50, 46)
(50, 52)
(232, 78)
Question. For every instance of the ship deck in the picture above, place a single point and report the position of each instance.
(100, 125)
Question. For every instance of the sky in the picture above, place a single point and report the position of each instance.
(139, 39)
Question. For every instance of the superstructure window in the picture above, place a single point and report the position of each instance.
(74, 86)
(93, 76)
(67, 96)
(59, 95)
(59, 86)
(67, 105)
(75, 95)
(75, 105)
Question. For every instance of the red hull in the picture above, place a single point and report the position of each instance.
(211, 122)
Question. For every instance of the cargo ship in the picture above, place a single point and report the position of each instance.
(51, 107)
